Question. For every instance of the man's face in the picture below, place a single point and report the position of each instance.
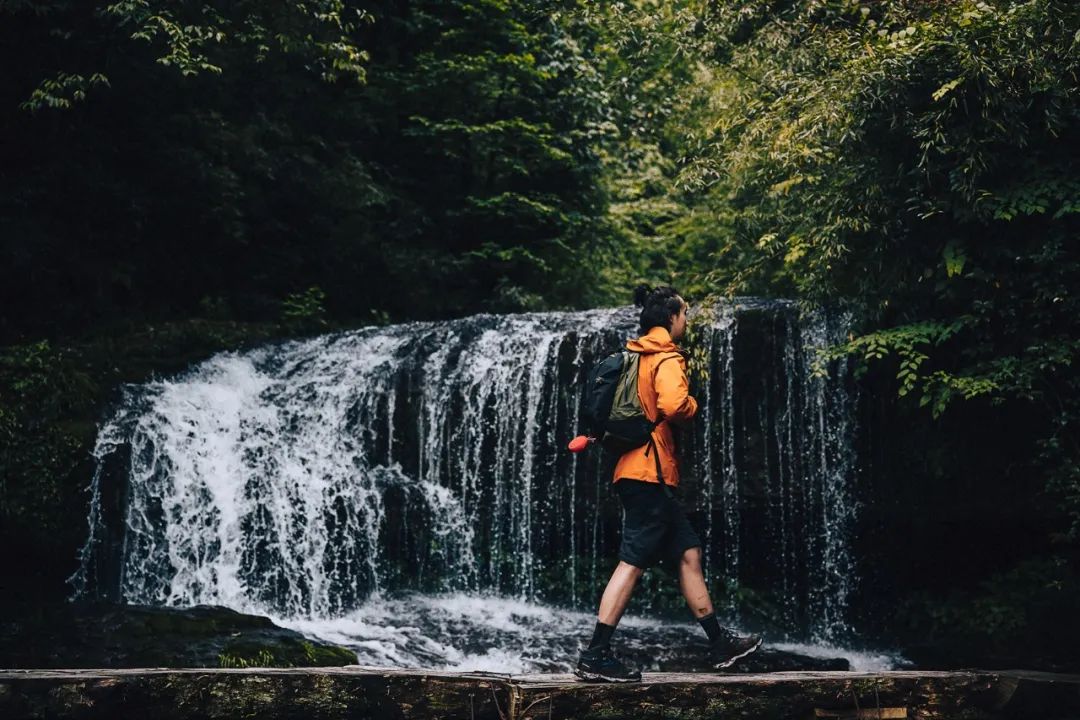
(678, 322)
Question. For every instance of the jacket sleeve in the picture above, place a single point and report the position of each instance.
(673, 399)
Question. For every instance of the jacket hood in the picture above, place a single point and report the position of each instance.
(658, 339)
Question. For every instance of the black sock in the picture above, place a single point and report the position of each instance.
(711, 626)
(602, 635)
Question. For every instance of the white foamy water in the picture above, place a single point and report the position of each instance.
(494, 634)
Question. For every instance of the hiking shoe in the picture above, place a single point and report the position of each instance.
(600, 664)
(729, 647)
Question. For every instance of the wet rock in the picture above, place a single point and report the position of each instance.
(765, 659)
(97, 635)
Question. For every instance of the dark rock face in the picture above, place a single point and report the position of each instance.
(682, 649)
(764, 660)
(72, 635)
(1037, 657)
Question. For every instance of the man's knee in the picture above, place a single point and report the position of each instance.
(691, 559)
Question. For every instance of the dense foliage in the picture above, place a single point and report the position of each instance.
(916, 161)
(913, 163)
(211, 160)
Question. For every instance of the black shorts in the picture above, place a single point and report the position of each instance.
(655, 526)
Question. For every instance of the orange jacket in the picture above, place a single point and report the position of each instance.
(664, 393)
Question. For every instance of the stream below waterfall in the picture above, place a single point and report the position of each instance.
(494, 634)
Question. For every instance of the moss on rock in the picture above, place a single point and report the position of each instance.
(119, 636)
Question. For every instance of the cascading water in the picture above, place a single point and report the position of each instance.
(346, 478)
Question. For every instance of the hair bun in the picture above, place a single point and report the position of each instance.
(641, 294)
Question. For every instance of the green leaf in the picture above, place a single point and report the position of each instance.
(954, 258)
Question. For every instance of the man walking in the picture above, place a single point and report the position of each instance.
(655, 526)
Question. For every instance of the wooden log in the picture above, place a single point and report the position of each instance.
(772, 695)
(266, 694)
(863, 714)
(355, 692)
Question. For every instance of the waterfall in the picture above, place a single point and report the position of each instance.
(303, 479)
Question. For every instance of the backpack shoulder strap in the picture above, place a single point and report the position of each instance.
(663, 359)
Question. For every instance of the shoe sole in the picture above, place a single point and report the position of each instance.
(731, 661)
(595, 677)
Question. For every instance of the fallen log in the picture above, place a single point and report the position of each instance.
(356, 692)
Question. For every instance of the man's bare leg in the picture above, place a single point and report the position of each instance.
(616, 597)
(597, 661)
(692, 583)
(617, 593)
(726, 647)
